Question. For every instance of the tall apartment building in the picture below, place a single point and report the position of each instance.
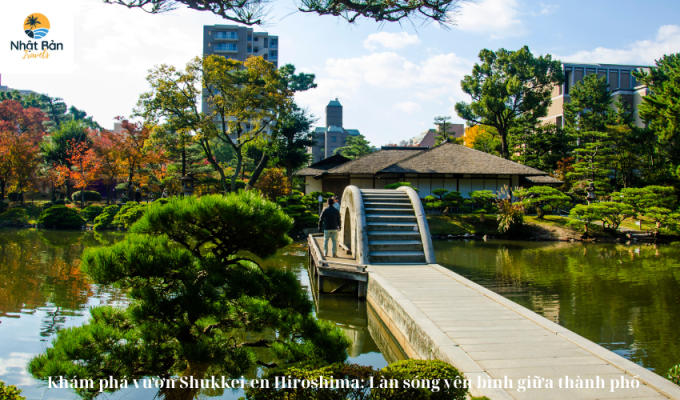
(331, 136)
(240, 42)
(619, 77)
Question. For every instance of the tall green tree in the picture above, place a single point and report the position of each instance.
(200, 302)
(291, 83)
(355, 147)
(541, 146)
(661, 108)
(443, 130)
(590, 105)
(56, 146)
(242, 97)
(293, 133)
(509, 88)
(599, 123)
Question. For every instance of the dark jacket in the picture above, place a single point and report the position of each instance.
(329, 219)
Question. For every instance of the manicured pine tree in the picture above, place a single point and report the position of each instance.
(200, 304)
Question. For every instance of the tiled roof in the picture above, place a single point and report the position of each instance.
(374, 162)
(447, 158)
(323, 165)
(549, 180)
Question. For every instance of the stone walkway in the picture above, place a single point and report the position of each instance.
(486, 336)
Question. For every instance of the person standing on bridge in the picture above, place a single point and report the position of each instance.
(329, 221)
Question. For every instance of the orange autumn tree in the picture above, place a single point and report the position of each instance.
(106, 146)
(274, 184)
(20, 133)
(133, 150)
(53, 176)
(86, 166)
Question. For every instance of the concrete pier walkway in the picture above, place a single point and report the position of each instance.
(434, 313)
(505, 350)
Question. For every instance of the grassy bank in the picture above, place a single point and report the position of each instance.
(550, 227)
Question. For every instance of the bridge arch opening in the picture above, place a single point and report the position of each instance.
(347, 231)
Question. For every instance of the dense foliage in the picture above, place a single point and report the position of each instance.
(61, 217)
(10, 392)
(397, 185)
(392, 377)
(198, 294)
(89, 195)
(509, 88)
(105, 220)
(91, 212)
(16, 214)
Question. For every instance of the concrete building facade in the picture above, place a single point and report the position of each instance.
(333, 135)
(240, 42)
(621, 83)
(428, 138)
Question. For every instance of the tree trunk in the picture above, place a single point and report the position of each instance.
(2, 190)
(258, 170)
(289, 176)
(503, 135)
(237, 170)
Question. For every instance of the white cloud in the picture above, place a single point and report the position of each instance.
(388, 40)
(409, 107)
(547, 9)
(495, 19)
(642, 52)
(433, 82)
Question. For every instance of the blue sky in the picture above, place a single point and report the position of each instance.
(392, 80)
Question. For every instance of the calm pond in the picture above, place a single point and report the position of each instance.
(42, 290)
(625, 298)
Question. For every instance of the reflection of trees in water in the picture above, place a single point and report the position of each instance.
(626, 298)
(40, 270)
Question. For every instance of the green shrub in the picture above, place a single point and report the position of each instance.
(91, 212)
(129, 214)
(61, 217)
(59, 202)
(430, 199)
(10, 392)
(440, 192)
(123, 199)
(15, 214)
(510, 216)
(67, 201)
(239, 184)
(421, 371)
(400, 184)
(105, 219)
(3, 206)
(343, 371)
(90, 195)
(674, 375)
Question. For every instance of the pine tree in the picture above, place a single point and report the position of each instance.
(200, 304)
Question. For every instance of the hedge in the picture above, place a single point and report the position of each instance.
(61, 217)
(91, 212)
(90, 195)
(105, 219)
(14, 214)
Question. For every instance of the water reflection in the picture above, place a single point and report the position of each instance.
(42, 290)
(624, 297)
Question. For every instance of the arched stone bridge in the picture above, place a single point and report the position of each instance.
(385, 226)
(434, 313)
